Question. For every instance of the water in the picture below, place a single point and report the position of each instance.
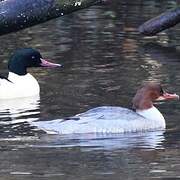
(105, 60)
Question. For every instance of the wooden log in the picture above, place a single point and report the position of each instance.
(20, 14)
(161, 22)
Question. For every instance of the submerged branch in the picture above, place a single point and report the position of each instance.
(161, 22)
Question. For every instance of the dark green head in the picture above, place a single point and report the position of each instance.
(25, 58)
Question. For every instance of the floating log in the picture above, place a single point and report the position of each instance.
(20, 14)
(161, 22)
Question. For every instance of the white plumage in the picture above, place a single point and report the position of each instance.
(18, 86)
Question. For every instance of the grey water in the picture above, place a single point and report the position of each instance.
(104, 60)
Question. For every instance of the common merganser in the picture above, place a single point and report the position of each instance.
(20, 83)
(109, 119)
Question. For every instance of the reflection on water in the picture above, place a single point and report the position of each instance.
(150, 140)
(13, 110)
(105, 60)
(15, 113)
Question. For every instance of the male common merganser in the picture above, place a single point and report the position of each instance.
(19, 82)
(109, 119)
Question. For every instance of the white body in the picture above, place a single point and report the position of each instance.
(20, 86)
(106, 119)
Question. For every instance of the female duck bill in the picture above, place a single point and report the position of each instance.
(167, 96)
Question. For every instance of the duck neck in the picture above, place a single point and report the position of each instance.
(152, 114)
(18, 67)
(27, 79)
(13, 76)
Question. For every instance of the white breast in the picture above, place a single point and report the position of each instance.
(153, 114)
(20, 86)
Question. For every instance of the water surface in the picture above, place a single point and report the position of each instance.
(105, 60)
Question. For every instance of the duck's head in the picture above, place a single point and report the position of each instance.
(149, 93)
(25, 58)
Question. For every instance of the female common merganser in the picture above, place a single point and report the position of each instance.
(20, 83)
(109, 119)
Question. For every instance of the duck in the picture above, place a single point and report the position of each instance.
(143, 116)
(19, 82)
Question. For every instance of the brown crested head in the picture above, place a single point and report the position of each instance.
(148, 93)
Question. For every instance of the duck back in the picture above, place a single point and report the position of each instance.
(105, 119)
